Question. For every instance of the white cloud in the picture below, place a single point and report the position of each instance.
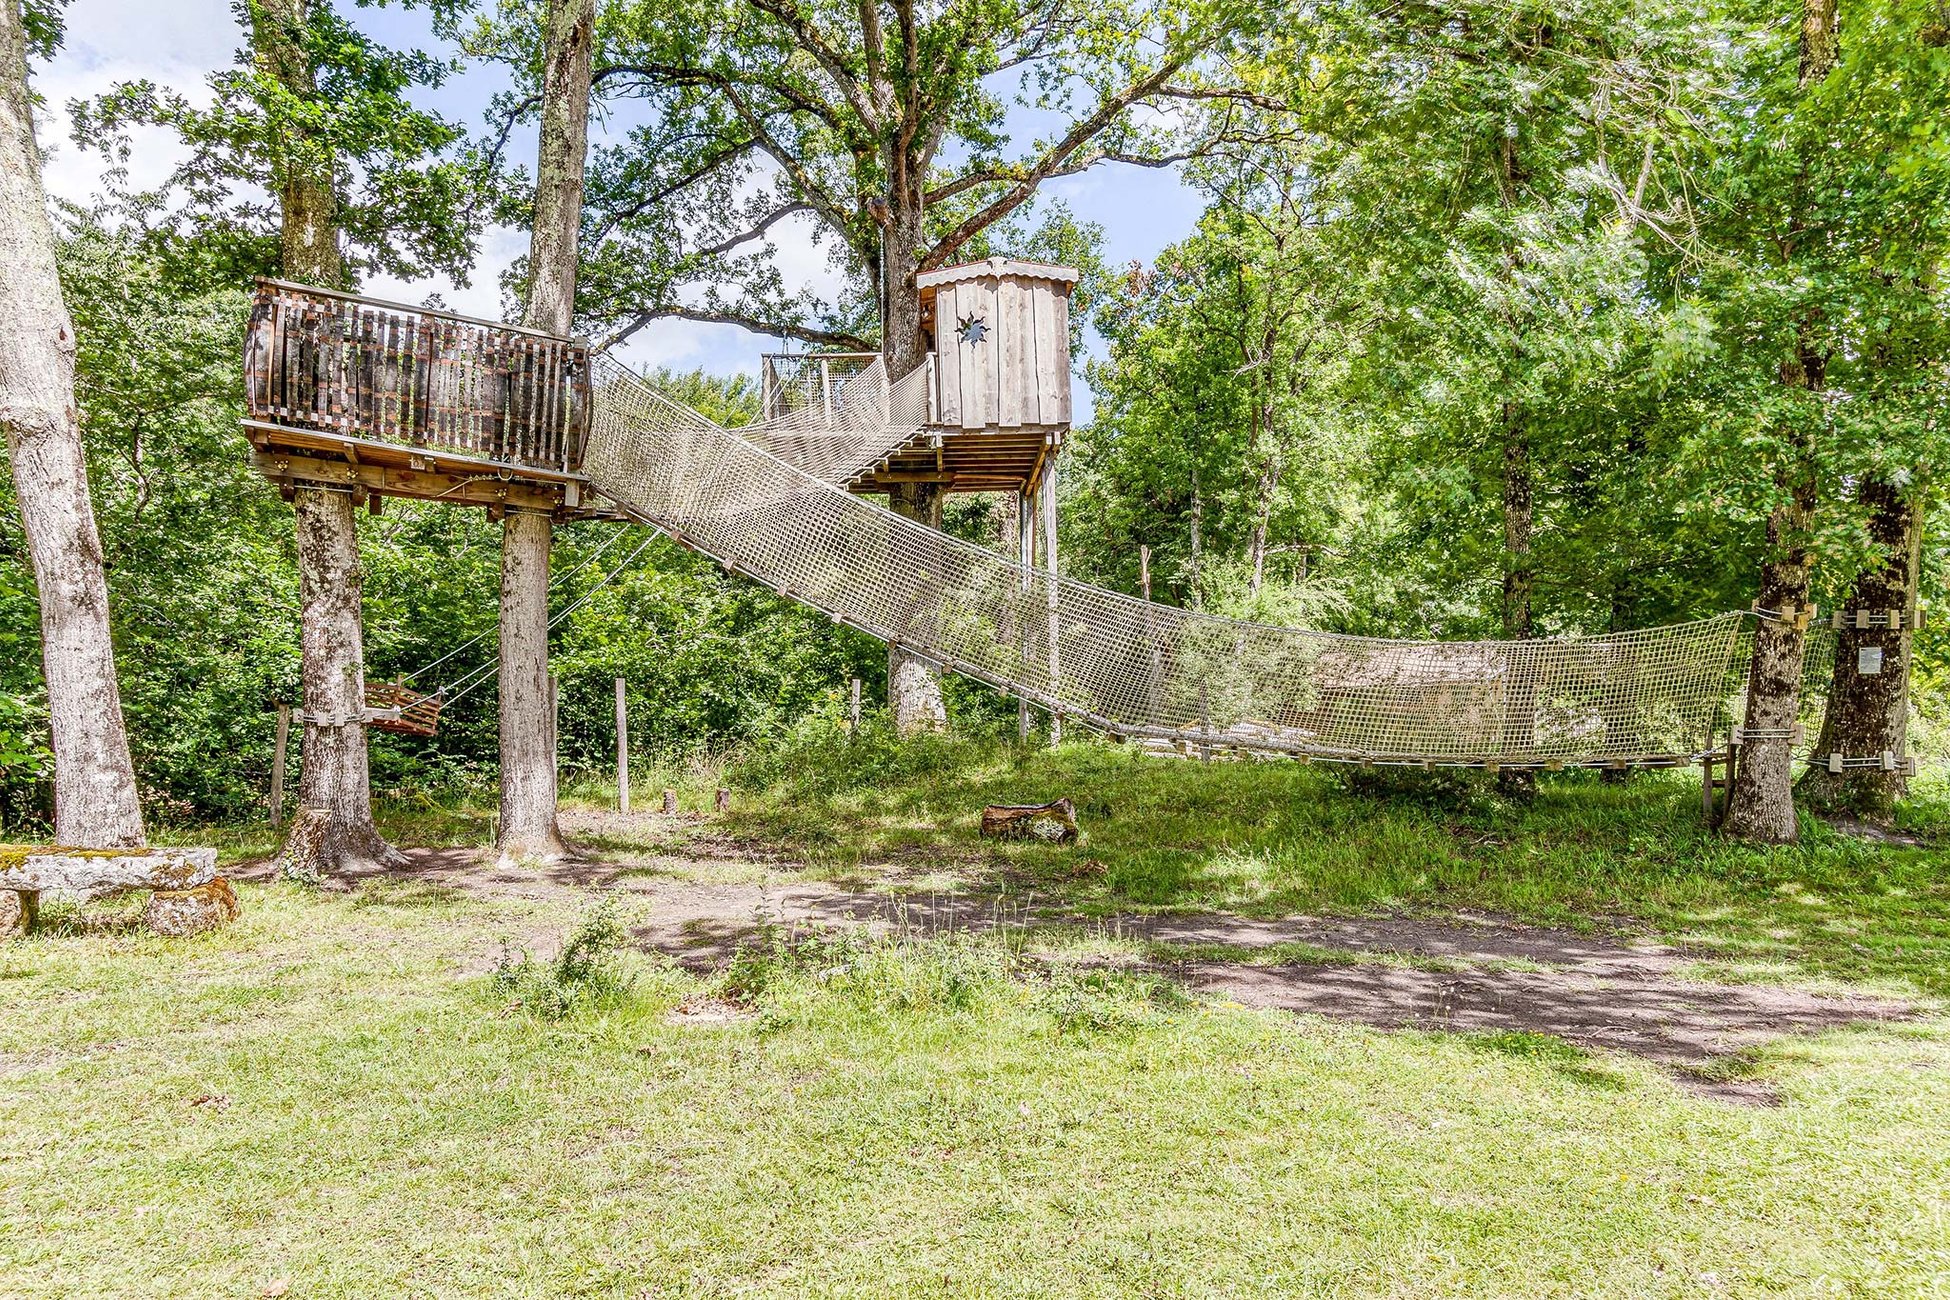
(174, 44)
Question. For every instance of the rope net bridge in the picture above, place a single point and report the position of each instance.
(388, 400)
(767, 502)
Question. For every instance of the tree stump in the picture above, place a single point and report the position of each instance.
(1052, 823)
(191, 911)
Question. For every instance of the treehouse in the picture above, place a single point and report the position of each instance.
(994, 404)
(382, 399)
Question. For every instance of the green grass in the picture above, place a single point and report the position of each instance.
(1274, 839)
(332, 1095)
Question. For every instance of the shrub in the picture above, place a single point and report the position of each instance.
(586, 973)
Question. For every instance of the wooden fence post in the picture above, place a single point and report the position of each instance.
(622, 750)
(1144, 571)
(853, 707)
(277, 764)
(670, 801)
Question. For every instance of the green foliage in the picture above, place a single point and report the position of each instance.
(586, 974)
(748, 118)
(407, 190)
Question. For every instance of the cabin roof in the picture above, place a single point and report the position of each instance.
(994, 267)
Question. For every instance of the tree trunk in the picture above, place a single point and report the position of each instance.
(1197, 542)
(94, 781)
(333, 831)
(528, 826)
(1519, 580)
(308, 203)
(901, 240)
(914, 684)
(1868, 713)
(562, 153)
(1761, 804)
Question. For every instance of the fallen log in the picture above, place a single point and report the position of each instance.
(1053, 823)
(92, 873)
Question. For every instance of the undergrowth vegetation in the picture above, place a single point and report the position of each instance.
(587, 972)
(1277, 838)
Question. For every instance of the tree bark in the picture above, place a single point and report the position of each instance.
(1052, 823)
(333, 831)
(1761, 804)
(308, 203)
(914, 684)
(528, 827)
(1868, 713)
(95, 802)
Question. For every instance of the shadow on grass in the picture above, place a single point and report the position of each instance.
(1273, 839)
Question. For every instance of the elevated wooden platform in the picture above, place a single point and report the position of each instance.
(980, 461)
(386, 399)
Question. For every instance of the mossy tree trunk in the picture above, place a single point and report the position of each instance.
(1868, 712)
(1761, 805)
(333, 831)
(914, 684)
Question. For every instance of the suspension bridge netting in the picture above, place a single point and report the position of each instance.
(770, 505)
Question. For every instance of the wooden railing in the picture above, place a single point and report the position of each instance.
(335, 363)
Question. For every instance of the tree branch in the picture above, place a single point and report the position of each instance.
(721, 316)
(991, 175)
(698, 173)
(817, 199)
(763, 224)
(1232, 94)
(1061, 155)
(827, 57)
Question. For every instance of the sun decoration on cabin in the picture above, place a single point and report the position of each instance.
(972, 328)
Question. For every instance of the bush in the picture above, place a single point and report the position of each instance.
(586, 973)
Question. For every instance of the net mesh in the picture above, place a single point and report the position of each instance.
(766, 502)
(849, 425)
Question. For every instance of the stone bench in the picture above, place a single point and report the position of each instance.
(186, 894)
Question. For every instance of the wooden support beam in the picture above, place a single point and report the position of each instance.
(289, 468)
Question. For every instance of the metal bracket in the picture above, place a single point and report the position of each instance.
(1867, 620)
(1888, 761)
(1796, 616)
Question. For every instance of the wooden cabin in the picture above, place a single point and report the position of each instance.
(998, 337)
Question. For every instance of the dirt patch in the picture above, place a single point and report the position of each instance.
(1857, 829)
(1464, 972)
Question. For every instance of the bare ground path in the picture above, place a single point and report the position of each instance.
(1456, 972)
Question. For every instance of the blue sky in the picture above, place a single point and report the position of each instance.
(176, 43)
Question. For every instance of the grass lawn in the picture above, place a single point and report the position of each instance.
(334, 1097)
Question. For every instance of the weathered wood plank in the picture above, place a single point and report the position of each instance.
(1007, 341)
